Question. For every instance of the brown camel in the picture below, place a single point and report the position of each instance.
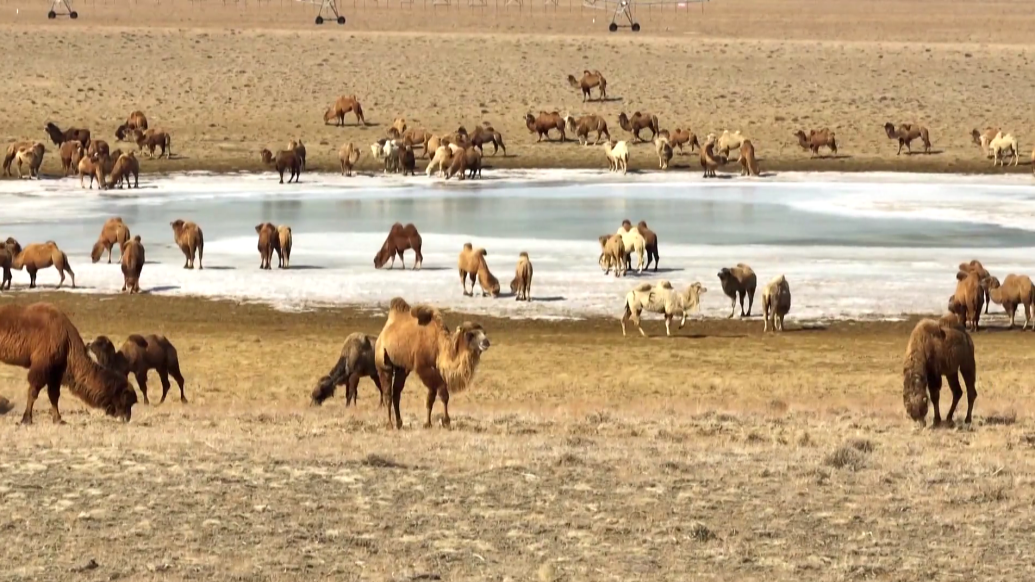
(737, 283)
(542, 124)
(348, 155)
(748, 163)
(136, 120)
(269, 240)
(71, 134)
(132, 264)
(138, 355)
(113, 232)
(680, 137)
(70, 152)
(466, 163)
(39, 256)
(589, 80)
(400, 239)
(343, 105)
(6, 258)
(154, 138)
(416, 340)
(906, 133)
(484, 134)
(708, 161)
(40, 337)
(191, 240)
(638, 122)
(355, 362)
(817, 139)
(285, 160)
(126, 165)
(935, 349)
(12, 153)
(521, 285)
(582, 127)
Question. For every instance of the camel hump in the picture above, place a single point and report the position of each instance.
(664, 284)
(483, 252)
(743, 266)
(961, 275)
(424, 314)
(523, 254)
(643, 287)
(137, 339)
(398, 304)
(468, 246)
(136, 238)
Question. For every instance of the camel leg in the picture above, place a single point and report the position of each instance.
(109, 253)
(32, 277)
(385, 379)
(142, 383)
(668, 322)
(163, 375)
(751, 302)
(682, 321)
(1011, 310)
(463, 281)
(432, 393)
(376, 379)
(934, 384)
(733, 306)
(968, 379)
(957, 393)
(352, 390)
(1027, 316)
(174, 371)
(398, 382)
(443, 395)
(37, 379)
(54, 392)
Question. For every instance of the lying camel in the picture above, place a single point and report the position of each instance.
(139, 355)
(344, 104)
(136, 120)
(39, 256)
(132, 264)
(817, 139)
(542, 124)
(589, 80)
(582, 126)
(638, 122)
(748, 163)
(285, 160)
(284, 249)
(355, 362)
(268, 241)
(191, 240)
(348, 155)
(935, 349)
(113, 232)
(521, 285)
(400, 239)
(906, 133)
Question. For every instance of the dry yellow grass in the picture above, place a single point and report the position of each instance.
(577, 455)
(227, 81)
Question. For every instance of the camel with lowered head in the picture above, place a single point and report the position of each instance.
(521, 285)
(664, 151)
(98, 147)
(344, 104)
(663, 299)
(126, 165)
(356, 361)
(269, 240)
(582, 126)
(938, 348)
(136, 120)
(416, 340)
(12, 153)
(728, 141)
(1000, 144)
(638, 122)
(348, 155)
(191, 240)
(1015, 290)
(542, 124)
(284, 160)
(817, 139)
(138, 355)
(151, 139)
(776, 303)
(617, 154)
(132, 261)
(982, 139)
(612, 254)
(906, 133)
(32, 158)
(589, 80)
(114, 231)
(471, 265)
(748, 162)
(39, 256)
(679, 137)
(400, 239)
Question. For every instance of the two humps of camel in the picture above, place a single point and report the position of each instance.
(416, 340)
(114, 232)
(138, 355)
(521, 285)
(191, 240)
(815, 139)
(664, 299)
(590, 79)
(272, 239)
(938, 348)
(400, 239)
(344, 104)
(36, 257)
(472, 265)
(905, 134)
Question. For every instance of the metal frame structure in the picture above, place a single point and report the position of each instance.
(65, 7)
(330, 5)
(624, 8)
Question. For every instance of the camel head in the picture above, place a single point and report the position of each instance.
(329, 115)
(573, 81)
(914, 394)
(121, 131)
(382, 256)
(724, 274)
(530, 122)
(975, 135)
(266, 156)
(471, 335)
(626, 224)
(642, 224)
(623, 121)
(692, 297)
(324, 389)
(14, 246)
(990, 283)
(889, 128)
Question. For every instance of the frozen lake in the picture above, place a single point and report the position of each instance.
(851, 245)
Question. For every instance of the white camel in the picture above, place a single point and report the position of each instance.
(662, 298)
(999, 144)
(617, 156)
(633, 242)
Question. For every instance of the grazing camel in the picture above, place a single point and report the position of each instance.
(132, 261)
(612, 254)
(136, 120)
(154, 138)
(982, 139)
(582, 126)
(12, 153)
(679, 137)
(817, 139)
(471, 265)
(589, 80)
(32, 158)
(400, 239)
(126, 165)
(638, 122)
(191, 240)
(348, 155)
(71, 134)
(1000, 144)
(40, 337)
(748, 162)
(738, 282)
(355, 362)
(416, 340)
(138, 355)
(521, 285)
(664, 151)
(542, 124)
(776, 303)
(467, 163)
(114, 231)
(617, 154)
(906, 133)
(662, 298)
(938, 348)
(285, 160)
(1015, 290)
(344, 104)
(39, 256)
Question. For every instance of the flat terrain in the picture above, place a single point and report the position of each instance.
(229, 79)
(577, 455)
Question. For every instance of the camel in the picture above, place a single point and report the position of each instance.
(589, 80)
(71, 134)
(982, 274)
(776, 303)
(285, 160)
(542, 124)
(650, 242)
(585, 124)
(999, 144)
(521, 285)
(612, 254)
(132, 264)
(632, 242)
(664, 151)
(39, 256)
(406, 161)
(400, 239)
(738, 282)
(728, 141)
(136, 120)
(12, 153)
(397, 128)
(151, 139)
(191, 240)
(138, 355)
(638, 122)
(982, 139)
(40, 337)
(30, 157)
(708, 161)
(442, 158)
(486, 280)
(617, 154)
(90, 166)
(269, 240)
(386, 151)
(344, 104)
(938, 348)
(416, 340)
(471, 264)
(299, 148)
(98, 147)
(468, 162)
(966, 302)
(487, 134)
(125, 166)
(663, 299)
(71, 153)
(817, 139)
(355, 362)
(6, 258)
(1033, 162)
(906, 133)
(348, 154)
(284, 248)
(748, 163)
(679, 137)
(1015, 290)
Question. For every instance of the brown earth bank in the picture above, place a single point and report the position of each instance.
(577, 454)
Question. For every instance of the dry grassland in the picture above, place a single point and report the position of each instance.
(578, 455)
(227, 81)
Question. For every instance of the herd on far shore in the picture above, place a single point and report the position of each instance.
(459, 153)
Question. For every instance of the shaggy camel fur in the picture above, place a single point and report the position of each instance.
(416, 340)
(98, 147)
(817, 139)
(935, 349)
(522, 283)
(708, 161)
(191, 240)
(542, 124)
(1015, 290)
(466, 164)
(738, 282)
(71, 153)
(344, 104)
(32, 158)
(585, 124)
(136, 120)
(400, 239)
(471, 264)
(406, 162)
(776, 302)
(348, 155)
(632, 242)
(356, 361)
(125, 166)
(269, 240)
(113, 232)
(664, 150)
(679, 137)
(983, 275)
(748, 162)
(154, 138)
(71, 134)
(6, 258)
(42, 338)
(284, 248)
(661, 298)
(982, 139)
(138, 355)
(285, 160)
(906, 133)
(299, 148)
(729, 141)
(612, 254)
(638, 122)
(12, 153)
(967, 300)
(1000, 144)
(589, 80)
(39, 256)
(617, 154)
(132, 264)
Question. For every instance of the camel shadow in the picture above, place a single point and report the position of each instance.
(930, 153)
(550, 299)
(160, 289)
(219, 268)
(832, 157)
(805, 329)
(304, 268)
(607, 99)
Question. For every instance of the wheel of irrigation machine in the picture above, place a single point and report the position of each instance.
(73, 15)
(52, 15)
(612, 27)
(636, 27)
(319, 19)
(341, 20)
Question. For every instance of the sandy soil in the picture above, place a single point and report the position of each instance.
(227, 80)
(578, 455)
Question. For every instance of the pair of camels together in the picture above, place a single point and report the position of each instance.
(414, 339)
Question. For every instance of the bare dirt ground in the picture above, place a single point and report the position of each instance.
(228, 80)
(577, 455)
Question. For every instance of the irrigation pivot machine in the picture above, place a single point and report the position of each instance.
(331, 6)
(624, 8)
(62, 8)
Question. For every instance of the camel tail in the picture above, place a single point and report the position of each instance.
(654, 123)
(926, 136)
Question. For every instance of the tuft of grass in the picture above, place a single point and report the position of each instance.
(700, 532)
(846, 457)
(375, 460)
(1006, 418)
